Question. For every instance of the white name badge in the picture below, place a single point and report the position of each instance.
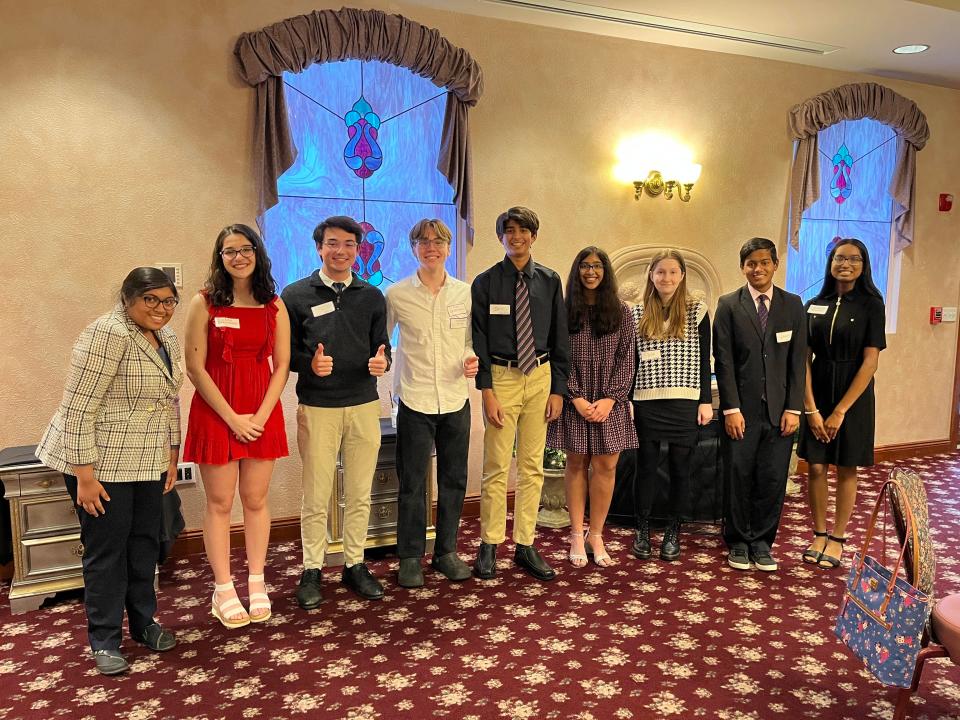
(499, 309)
(457, 310)
(818, 309)
(226, 322)
(649, 355)
(456, 323)
(784, 336)
(322, 309)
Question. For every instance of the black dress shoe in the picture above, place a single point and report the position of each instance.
(485, 566)
(641, 544)
(359, 579)
(410, 574)
(308, 592)
(527, 557)
(157, 639)
(452, 567)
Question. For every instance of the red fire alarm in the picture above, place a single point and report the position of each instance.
(946, 202)
(936, 315)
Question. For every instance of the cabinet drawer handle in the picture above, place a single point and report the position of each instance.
(383, 512)
(78, 550)
(382, 478)
(44, 483)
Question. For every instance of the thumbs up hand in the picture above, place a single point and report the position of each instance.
(322, 365)
(378, 363)
(471, 366)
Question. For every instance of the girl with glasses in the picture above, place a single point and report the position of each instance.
(116, 439)
(845, 331)
(594, 426)
(238, 358)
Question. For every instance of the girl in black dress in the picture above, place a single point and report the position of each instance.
(845, 331)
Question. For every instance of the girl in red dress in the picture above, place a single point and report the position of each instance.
(238, 358)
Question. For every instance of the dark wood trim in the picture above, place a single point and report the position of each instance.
(955, 408)
(902, 451)
(287, 529)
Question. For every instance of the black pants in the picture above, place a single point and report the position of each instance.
(417, 434)
(755, 478)
(120, 553)
(647, 479)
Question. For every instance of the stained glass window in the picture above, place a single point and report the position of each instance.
(856, 163)
(367, 136)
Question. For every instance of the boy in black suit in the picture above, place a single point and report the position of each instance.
(759, 350)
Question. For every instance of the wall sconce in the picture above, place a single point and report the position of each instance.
(665, 165)
(655, 185)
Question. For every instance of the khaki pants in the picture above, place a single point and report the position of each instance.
(321, 434)
(524, 401)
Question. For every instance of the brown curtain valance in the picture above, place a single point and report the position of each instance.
(853, 102)
(348, 34)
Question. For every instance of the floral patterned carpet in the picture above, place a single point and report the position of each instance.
(639, 640)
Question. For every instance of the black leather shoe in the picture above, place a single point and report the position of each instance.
(359, 579)
(670, 548)
(110, 662)
(410, 574)
(452, 567)
(527, 557)
(309, 595)
(641, 544)
(485, 567)
(158, 639)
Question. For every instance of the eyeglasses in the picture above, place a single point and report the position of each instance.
(151, 301)
(435, 242)
(231, 253)
(334, 245)
(596, 267)
(841, 259)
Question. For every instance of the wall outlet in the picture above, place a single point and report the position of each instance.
(187, 473)
(173, 270)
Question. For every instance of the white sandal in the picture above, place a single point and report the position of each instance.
(259, 601)
(224, 611)
(602, 559)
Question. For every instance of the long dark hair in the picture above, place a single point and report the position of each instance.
(605, 316)
(142, 280)
(219, 285)
(864, 283)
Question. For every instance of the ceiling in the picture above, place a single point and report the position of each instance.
(852, 35)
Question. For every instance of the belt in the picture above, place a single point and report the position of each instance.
(539, 360)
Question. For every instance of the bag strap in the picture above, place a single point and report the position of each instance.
(868, 538)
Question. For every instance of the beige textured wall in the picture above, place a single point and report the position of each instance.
(125, 137)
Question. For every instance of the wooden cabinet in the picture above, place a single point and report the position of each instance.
(47, 552)
(382, 530)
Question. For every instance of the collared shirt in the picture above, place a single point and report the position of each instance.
(756, 295)
(328, 281)
(494, 324)
(435, 339)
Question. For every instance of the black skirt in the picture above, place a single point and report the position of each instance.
(666, 420)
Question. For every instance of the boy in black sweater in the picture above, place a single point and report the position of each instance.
(339, 346)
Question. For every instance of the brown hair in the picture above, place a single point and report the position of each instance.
(437, 225)
(659, 322)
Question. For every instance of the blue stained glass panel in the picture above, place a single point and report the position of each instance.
(876, 236)
(805, 268)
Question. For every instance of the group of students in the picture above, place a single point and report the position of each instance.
(584, 372)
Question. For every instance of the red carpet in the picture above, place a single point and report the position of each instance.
(640, 640)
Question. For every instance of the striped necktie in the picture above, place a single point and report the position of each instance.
(762, 312)
(526, 350)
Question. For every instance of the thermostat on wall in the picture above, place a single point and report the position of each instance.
(173, 270)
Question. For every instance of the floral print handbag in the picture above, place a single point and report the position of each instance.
(882, 616)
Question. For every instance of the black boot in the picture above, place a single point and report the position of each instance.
(670, 549)
(641, 544)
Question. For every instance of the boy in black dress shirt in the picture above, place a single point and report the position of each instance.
(520, 336)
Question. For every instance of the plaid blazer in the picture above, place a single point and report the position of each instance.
(120, 410)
